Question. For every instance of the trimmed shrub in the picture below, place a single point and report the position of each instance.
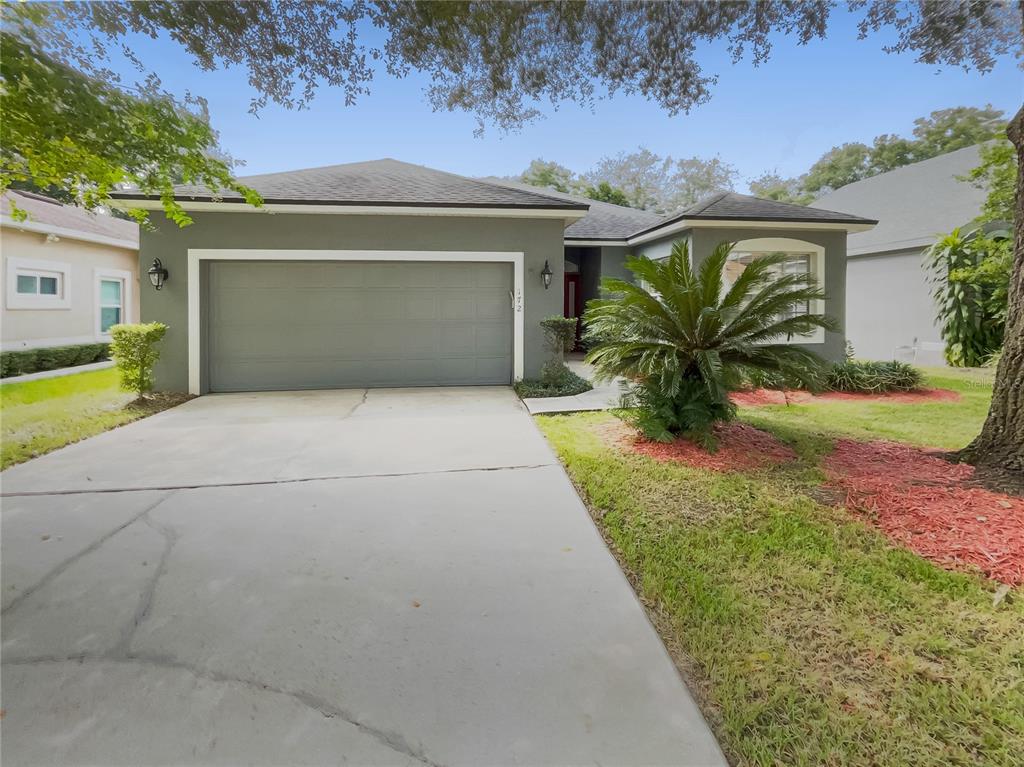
(24, 361)
(872, 377)
(134, 349)
(565, 384)
(559, 334)
(556, 379)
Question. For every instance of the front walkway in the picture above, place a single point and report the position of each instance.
(382, 577)
(604, 396)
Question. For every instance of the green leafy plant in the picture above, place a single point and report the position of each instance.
(971, 280)
(556, 379)
(685, 340)
(25, 361)
(559, 334)
(134, 348)
(872, 377)
(565, 385)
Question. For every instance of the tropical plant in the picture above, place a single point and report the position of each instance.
(871, 377)
(685, 339)
(970, 272)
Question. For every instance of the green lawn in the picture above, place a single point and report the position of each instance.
(809, 639)
(948, 425)
(39, 416)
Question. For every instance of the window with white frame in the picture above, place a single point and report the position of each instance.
(35, 284)
(111, 304)
(799, 258)
(113, 289)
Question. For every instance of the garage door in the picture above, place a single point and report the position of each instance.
(337, 324)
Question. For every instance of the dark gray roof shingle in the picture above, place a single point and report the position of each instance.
(730, 206)
(379, 182)
(604, 221)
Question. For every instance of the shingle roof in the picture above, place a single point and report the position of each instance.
(730, 206)
(379, 182)
(50, 212)
(604, 221)
(913, 204)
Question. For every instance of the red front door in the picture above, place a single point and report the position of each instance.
(573, 301)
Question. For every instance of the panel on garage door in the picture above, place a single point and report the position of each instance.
(333, 324)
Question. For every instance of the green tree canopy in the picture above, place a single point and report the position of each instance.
(71, 113)
(997, 175)
(605, 192)
(944, 130)
(772, 186)
(838, 167)
(550, 175)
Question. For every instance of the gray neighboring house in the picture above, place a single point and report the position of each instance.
(890, 313)
(384, 273)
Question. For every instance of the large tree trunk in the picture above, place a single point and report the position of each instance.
(999, 449)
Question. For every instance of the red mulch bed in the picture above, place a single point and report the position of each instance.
(928, 505)
(758, 397)
(740, 447)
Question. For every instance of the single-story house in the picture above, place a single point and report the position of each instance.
(68, 275)
(389, 274)
(890, 313)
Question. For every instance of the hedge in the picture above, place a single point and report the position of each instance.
(21, 362)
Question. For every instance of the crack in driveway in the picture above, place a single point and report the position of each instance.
(146, 598)
(257, 482)
(121, 651)
(392, 740)
(65, 564)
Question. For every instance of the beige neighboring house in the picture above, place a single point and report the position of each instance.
(67, 276)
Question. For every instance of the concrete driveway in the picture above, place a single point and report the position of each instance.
(383, 577)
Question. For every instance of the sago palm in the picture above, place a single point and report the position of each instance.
(684, 339)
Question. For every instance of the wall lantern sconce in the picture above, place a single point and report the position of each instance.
(545, 275)
(157, 274)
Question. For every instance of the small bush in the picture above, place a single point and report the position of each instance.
(872, 377)
(691, 412)
(556, 379)
(134, 348)
(25, 361)
(565, 384)
(560, 334)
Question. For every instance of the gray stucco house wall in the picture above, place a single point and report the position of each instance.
(890, 313)
(334, 281)
(890, 310)
(540, 240)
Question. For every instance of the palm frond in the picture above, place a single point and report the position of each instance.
(685, 339)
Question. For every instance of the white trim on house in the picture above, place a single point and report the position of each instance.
(691, 223)
(71, 234)
(569, 215)
(795, 246)
(126, 278)
(38, 302)
(197, 255)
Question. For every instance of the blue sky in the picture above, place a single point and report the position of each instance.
(780, 116)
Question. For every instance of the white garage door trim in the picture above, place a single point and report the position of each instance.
(197, 255)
